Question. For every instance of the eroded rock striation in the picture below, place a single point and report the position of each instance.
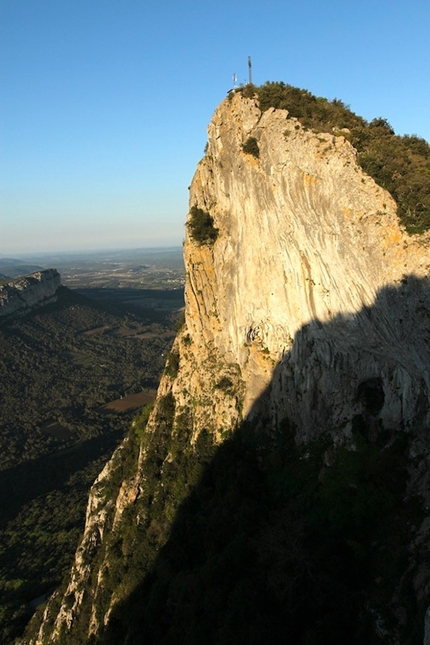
(21, 295)
(309, 308)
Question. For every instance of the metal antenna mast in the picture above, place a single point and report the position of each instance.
(249, 70)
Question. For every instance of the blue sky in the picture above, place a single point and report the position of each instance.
(104, 104)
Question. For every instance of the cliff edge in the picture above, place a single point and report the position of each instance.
(23, 294)
(307, 317)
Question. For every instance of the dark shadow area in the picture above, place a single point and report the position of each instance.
(297, 529)
(23, 483)
(159, 306)
(42, 514)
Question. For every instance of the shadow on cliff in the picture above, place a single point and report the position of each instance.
(298, 530)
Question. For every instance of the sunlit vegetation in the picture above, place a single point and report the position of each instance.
(250, 147)
(400, 164)
(172, 364)
(201, 226)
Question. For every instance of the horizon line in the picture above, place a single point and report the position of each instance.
(112, 249)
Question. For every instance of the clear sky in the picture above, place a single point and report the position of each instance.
(104, 104)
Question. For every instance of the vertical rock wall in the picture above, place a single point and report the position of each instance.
(23, 294)
(311, 305)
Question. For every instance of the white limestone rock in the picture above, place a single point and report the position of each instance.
(23, 294)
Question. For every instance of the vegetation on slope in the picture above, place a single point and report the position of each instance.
(258, 541)
(172, 466)
(250, 147)
(400, 164)
(58, 365)
(42, 508)
(201, 226)
(272, 547)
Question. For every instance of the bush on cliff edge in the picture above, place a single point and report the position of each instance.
(201, 226)
(400, 164)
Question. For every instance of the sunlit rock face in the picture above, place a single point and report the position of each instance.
(311, 305)
(23, 294)
(307, 243)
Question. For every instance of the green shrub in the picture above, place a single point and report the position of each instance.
(172, 365)
(180, 321)
(250, 147)
(166, 409)
(201, 226)
(248, 91)
(224, 384)
(400, 164)
(313, 112)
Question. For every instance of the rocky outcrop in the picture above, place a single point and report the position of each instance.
(311, 306)
(305, 237)
(20, 296)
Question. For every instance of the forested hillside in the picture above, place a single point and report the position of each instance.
(58, 367)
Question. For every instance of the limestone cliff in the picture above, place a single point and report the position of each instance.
(21, 295)
(310, 308)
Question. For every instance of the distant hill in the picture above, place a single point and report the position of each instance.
(21, 295)
(16, 269)
(8, 261)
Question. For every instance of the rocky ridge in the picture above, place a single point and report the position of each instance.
(23, 294)
(311, 307)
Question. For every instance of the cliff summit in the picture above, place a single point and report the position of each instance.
(273, 493)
